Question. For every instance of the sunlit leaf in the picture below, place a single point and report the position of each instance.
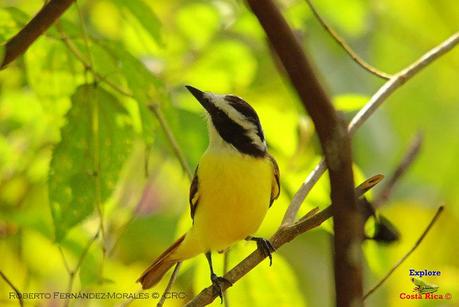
(146, 88)
(19, 16)
(198, 22)
(106, 18)
(51, 70)
(145, 16)
(349, 16)
(91, 270)
(225, 65)
(8, 23)
(85, 164)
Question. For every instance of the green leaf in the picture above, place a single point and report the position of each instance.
(52, 71)
(19, 16)
(198, 22)
(226, 65)
(145, 87)
(8, 23)
(95, 142)
(145, 16)
(91, 267)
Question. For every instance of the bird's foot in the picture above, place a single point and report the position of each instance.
(265, 247)
(217, 282)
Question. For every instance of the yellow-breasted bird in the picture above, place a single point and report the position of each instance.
(235, 183)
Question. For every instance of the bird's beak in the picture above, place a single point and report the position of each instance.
(199, 95)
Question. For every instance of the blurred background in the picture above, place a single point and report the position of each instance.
(89, 181)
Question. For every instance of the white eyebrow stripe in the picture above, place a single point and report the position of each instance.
(239, 118)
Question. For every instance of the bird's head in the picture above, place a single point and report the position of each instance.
(232, 122)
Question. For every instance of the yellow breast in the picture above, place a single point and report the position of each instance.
(234, 194)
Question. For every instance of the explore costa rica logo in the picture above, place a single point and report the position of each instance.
(424, 289)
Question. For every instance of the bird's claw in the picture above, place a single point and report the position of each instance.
(217, 282)
(265, 247)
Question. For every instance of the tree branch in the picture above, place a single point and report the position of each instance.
(416, 244)
(19, 43)
(405, 163)
(284, 234)
(335, 143)
(373, 104)
(346, 47)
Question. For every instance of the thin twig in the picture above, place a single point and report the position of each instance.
(225, 270)
(64, 260)
(365, 65)
(12, 286)
(373, 104)
(19, 43)
(416, 244)
(85, 33)
(169, 284)
(87, 65)
(403, 166)
(399, 79)
(72, 272)
(173, 142)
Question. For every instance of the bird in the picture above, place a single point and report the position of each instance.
(235, 183)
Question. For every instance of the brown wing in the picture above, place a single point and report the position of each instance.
(194, 194)
(275, 188)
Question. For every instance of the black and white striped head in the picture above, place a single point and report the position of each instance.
(232, 122)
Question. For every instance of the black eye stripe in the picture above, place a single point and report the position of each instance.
(242, 107)
(245, 109)
(234, 134)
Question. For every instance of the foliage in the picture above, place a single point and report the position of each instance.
(79, 146)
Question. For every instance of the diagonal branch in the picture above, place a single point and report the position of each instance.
(365, 65)
(373, 104)
(336, 146)
(284, 234)
(12, 286)
(19, 43)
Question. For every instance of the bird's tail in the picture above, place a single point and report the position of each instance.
(160, 266)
